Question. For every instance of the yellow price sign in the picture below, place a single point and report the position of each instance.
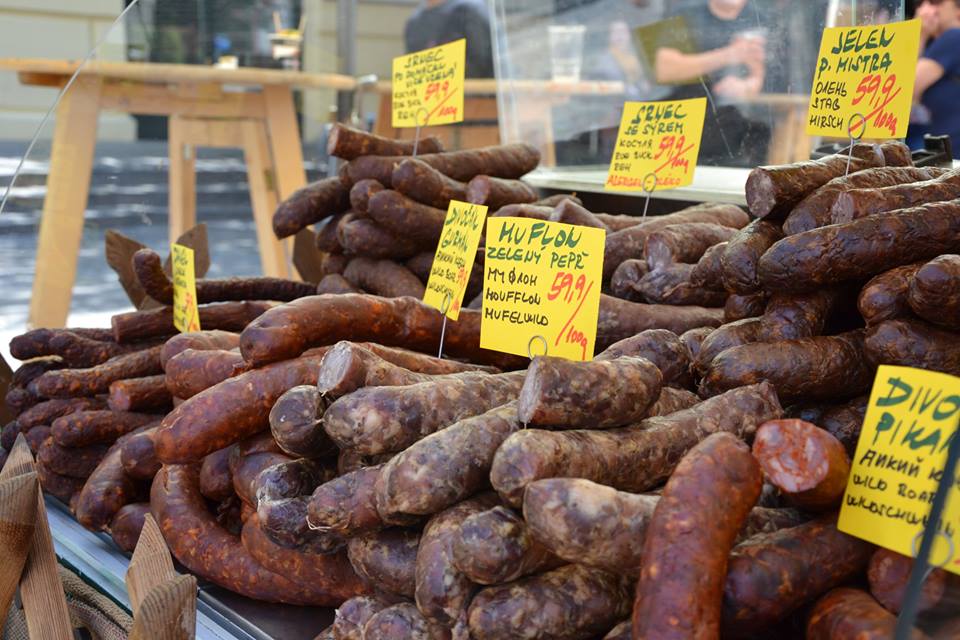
(454, 259)
(186, 315)
(865, 76)
(911, 418)
(541, 288)
(428, 86)
(657, 146)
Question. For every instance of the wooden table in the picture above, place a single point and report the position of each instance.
(248, 108)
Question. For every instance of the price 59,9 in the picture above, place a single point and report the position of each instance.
(563, 283)
(878, 92)
(674, 147)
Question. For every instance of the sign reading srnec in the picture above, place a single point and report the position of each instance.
(428, 86)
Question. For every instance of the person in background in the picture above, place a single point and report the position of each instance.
(438, 22)
(936, 92)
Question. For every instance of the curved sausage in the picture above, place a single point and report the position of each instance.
(348, 143)
(733, 334)
(793, 316)
(421, 182)
(499, 192)
(740, 307)
(310, 204)
(914, 343)
(107, 490)
(216, 480)
(693, 340)
(933, 291)
(738, 263)
(190, 371)
(661, 347)
(126, 526)
(884, 297)
(387, 559)
(708, 272)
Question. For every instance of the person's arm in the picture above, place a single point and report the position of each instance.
(674, 67)
(929, 73)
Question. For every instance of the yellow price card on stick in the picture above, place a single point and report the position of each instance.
(428, 86)
(911, 418)
(657, 146)
(454, 259)
(865, 75)
(541, 288)
(186, 315)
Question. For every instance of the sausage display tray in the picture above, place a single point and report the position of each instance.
(221, 615)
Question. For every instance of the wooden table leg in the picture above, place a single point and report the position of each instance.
(182, 178)
(68, 185)
(284, 140)
(263, 195)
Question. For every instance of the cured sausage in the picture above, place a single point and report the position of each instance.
(738, 262)
(914, 343)
(629, 243)
(807, 464)
(402, 621)
(216, 481)
(107, 490)
(348, 143)
(860, 203)
(445, 467)
(740, 307)
(147, 394)
(442, 591)
(190, 372)
(49, 410)
(383, 278)
(933, 293)
(36, 343)
(76, 462)
(619, 319)
(496, 546)
(235, 408)
(295, 423)
(333, 264)
(36, 437)
(96, 427)
(851, 614)
(860, 249)
(884, 297)
(708, 273)
(772, 574)
(704, 505)
(421, 182)
(684, 243)
(844, 422)
(89, 382)
(378, 420)
(8, 436)
(672, 400)
(387, 559)
(671, 285)
(214, 340)
(503, 161)
(227, 316)
(138, 455)
(534, 211)
(360, 195)
(733, 334)
(126, 525)
(693, 340)
(562, 393)
(896, 154)
(19, 400)
(148, 267)
(324, 320)
(570, 212)
(814, 210)
(661, 347)
(346, 506)
(773, 191)
(354, 614)
(335, 283)
(32, 369)
(63, 488)
(401, 216)
(573, 602)
(889, 573)
(625, 281)
(310, 204)
(636, 458)
(498, 192)
(246, 465)
(328, 229)
(793, 316)
(421, 265)
(79, 352)
(818, 368)
(211, 552)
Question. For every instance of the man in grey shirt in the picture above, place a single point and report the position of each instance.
(438, 22)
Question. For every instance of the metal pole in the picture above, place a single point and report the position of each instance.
(346, 53)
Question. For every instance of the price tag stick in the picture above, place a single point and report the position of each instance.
(850, 127)
(918, 574)
(444, 308)
(649, 192)
(416, 133)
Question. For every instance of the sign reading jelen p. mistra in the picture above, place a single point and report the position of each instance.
(541, 288)
(865, 74)
(455, 256)
(428, 86)
(911, 418)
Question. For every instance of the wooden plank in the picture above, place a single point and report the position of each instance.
(150, 566)
(168, 612)
(68, 185)
(263, 197)
(182, 179)
(18, 517)
(152, 99)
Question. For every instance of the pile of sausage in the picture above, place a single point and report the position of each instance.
(684, 482)
(378, 222)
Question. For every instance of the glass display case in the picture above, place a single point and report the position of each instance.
(566, 67)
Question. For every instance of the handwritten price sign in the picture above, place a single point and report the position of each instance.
(659, 139)
(454, 259)
(911, 418)
(186, 316)
(865, 77)
(541, 288)
(428, 86)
